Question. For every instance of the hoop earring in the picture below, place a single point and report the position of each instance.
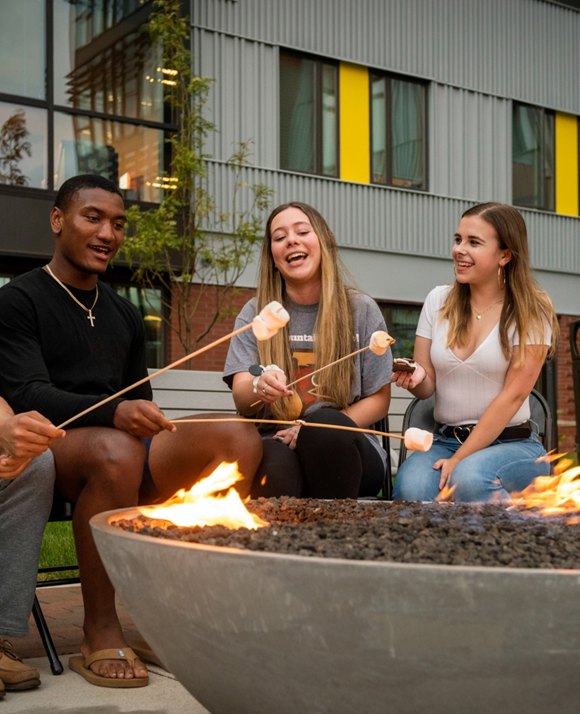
(501, 277)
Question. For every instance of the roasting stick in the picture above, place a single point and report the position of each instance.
(411, 441)
(379, 346)
(264, 325)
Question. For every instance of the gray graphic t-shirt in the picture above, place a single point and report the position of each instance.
(371, 371)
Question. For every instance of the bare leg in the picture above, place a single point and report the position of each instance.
(177, 460)
(99, 469)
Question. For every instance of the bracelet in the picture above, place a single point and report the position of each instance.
(255, 384)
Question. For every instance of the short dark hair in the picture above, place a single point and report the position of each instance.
(75, 184)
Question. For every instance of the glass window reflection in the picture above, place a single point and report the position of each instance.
(22, 48)
(104, 66)
(148, 302)
(22, 146)
(130, 156)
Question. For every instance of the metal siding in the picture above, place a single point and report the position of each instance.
(470, 144)
(388, 220)
(389, 232)
(525, 49)
(243, 102)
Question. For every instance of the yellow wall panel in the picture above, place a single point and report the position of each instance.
(566, 164)
(354, 123)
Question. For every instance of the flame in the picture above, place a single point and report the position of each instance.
(446, 493)
(201, 506)
(556, 494)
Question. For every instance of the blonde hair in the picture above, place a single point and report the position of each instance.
(333, 330)
(526, 304)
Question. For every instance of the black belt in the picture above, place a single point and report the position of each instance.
(462, 431)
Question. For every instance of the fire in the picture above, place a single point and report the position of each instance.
(203, 505)
(556, 494)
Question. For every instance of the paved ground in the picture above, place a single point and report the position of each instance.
(68, 692)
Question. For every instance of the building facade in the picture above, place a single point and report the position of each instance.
(390, 116)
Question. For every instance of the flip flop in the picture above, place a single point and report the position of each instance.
(82, 665)
(143, 650)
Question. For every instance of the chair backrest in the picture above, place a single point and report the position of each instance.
(383, 425)
(420, 414)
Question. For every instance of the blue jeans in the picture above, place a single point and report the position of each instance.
(490, 474)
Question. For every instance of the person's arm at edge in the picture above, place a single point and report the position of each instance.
(368, 410)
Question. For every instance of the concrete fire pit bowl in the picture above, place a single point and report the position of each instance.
(267, 633)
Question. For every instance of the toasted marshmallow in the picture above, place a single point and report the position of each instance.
(293, 405)
(261, 330)
(418, 439)
(274, 315)
(380, 342)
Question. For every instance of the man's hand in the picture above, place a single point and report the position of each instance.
(27, 435)
(141, 418)
(22, 437)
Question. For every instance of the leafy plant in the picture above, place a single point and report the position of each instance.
(189, 245)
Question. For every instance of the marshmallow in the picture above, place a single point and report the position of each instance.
(270, 319)
(380, 342)
(261, 329)
(418, 439)
(293, 406)
(274, 315)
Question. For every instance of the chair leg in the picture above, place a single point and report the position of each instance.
(51, 653)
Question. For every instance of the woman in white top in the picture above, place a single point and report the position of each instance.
(480, 346)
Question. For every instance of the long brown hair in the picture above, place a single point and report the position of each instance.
(526, 304)
(333, 331)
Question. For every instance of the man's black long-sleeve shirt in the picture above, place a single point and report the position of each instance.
(53, 361)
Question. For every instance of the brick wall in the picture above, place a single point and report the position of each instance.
(566, 405)
(214, 358)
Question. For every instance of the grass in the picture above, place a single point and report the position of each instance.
(58, 549)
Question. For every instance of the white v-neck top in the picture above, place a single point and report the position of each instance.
(465, 388)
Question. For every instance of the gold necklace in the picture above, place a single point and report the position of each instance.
(479, 315)
(88, 310)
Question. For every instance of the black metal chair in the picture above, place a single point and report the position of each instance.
(387, 490)
(419, 413)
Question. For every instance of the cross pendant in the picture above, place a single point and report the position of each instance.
(91, 317)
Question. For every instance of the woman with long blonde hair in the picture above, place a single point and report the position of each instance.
(300, 268)
(480, 346)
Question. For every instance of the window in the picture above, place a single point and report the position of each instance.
(149, 303)
(129, 155)
(308, 115)
(533, 157)
(113, 75)
(23, 150)
(94, 104)
(22, 48)
(398, 132)
(401, 323)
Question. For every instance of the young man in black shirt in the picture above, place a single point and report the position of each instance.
(66, 341)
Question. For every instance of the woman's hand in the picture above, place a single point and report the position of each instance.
(271, 385)
(12, 466)
(288, 436)
(446, 466)
(409, 380)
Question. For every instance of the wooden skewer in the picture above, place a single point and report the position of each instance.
(177, 362)
(296, 422)
(316, 371)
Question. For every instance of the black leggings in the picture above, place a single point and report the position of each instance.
(326, 463)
